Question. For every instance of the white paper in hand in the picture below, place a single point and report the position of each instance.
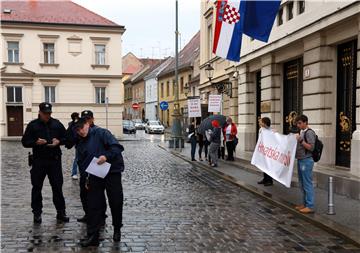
(98, 170)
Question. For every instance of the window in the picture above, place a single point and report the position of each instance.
(301, 6)
(173, 87)
(210, 38)
(13, 52)
(290, 8)
(100, 54)
(14, 94)
(280, 16)
(162, 90)
(181, 84)
(189, 78)
(49, 53)
(100, 95)
(50, 94)
(167, 88)
(193, 89)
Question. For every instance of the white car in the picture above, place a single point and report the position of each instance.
(155, 127)
(139, 124)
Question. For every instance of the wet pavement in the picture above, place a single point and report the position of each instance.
(169, 206)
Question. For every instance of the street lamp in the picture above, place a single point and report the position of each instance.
(222, 87)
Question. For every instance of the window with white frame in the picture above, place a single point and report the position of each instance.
(14, 94)
(210, 41)
(50, 94)
(13, 51)
(49, 53)
(100, 95)
(100, 54)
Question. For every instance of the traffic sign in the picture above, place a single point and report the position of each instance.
(135, 106)
(164, 105)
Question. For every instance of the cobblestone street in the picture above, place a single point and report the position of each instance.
(169, 206)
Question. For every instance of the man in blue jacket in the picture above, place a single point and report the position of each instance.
(100, 143)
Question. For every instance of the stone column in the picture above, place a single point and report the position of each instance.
(270, 91)
(233, 113)
(246, 110)
(319, 92)
(355, 142)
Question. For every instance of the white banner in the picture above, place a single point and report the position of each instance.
(275, 155)
(214, 103)
(194, 108)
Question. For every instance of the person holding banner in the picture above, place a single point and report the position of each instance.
(230, 132)
(306, 140)
(265, 123)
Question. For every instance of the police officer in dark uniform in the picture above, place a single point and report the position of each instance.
(89, 117)
(100, 143)
(45, 135)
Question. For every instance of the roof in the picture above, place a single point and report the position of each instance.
(158, 69)
(146, 71)
(52, 12)
(187, 55)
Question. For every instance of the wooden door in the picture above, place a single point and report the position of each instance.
(15, 120)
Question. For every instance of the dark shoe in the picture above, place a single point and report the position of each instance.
(117, 235)
(268, 184)
(193, 160)
(37, 219)
(261, 182)
(92, 240)
(82, 219)
(61, 216)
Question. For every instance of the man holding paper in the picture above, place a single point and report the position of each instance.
(99, 150)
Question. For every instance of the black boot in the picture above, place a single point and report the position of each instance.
(117, 235)
(61, 216)
(37, 218)
(91, 240)
(82, 219)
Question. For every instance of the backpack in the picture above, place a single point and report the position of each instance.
(318, 147)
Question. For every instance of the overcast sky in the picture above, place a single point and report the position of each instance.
(150, 24)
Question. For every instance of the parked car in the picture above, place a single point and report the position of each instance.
(129, 127)
(154, 126)
(139, 124)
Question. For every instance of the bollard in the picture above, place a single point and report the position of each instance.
(331, 207)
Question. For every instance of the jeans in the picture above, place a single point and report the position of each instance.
(213, 151)
(305, 171)
(193, 147)
(74, 167)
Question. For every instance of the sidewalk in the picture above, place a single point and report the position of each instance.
(345, 221)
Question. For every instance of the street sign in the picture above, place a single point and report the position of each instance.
(164, 105)
(135, 106)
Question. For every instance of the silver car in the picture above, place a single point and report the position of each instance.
(154, 126)
(139, 124)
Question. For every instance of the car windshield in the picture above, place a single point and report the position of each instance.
(154, 123)
(128, 123)
(137, 121)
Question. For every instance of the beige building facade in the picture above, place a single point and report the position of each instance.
(73, 66)
(310, 66)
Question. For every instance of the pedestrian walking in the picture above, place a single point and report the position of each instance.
(45, 135)
(230, 132)
(265, 122)
(192, 138)
(215, 139)
(306, 141)
(201, 141)
(74, 119)
(89, 117)
(100, 143)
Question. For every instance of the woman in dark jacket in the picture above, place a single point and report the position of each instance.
(192, 138)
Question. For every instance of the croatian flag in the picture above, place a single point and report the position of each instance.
(228, 30)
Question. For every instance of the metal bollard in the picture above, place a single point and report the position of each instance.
(331, 206)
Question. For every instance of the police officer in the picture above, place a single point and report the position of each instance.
(45, 135)
(100, 143)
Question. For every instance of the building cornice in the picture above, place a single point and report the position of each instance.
(62, 27)
(62, 75)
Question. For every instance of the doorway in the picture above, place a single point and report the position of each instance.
(15, 120)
